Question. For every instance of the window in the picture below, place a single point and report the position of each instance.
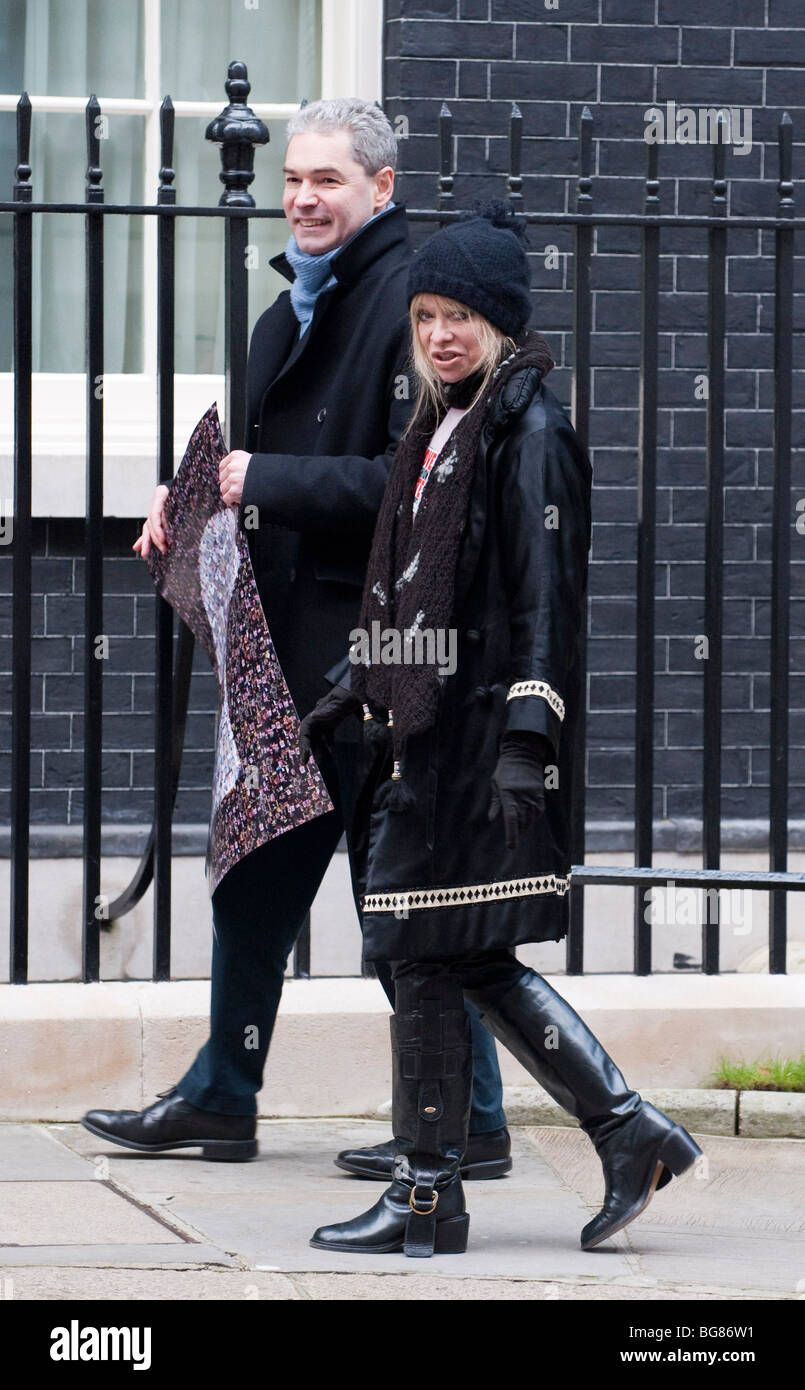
(131, 53)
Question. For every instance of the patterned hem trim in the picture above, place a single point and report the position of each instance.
(538, 688)
(469, 893)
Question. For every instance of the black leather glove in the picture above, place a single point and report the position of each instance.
(518, 782)
(317, 727)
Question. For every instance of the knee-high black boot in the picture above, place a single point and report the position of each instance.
(640, 1148)
(423, 1210)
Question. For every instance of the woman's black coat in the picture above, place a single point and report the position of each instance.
(438, 879)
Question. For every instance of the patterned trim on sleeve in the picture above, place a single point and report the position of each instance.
(469, 893)
(538, 688)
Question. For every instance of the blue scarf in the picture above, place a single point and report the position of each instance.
(312, 272)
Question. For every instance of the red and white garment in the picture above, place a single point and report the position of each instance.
(437, 443)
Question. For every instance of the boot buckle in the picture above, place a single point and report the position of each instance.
(429, 1210)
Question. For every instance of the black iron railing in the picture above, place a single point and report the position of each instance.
(238, 131)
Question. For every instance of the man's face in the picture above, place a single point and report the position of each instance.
(327, 194)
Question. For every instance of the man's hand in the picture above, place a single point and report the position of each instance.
(231, 472)
(153, 527)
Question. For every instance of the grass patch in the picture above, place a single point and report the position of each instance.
(764, 1074)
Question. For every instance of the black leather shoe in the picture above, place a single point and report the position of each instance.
(486, 1156)
(173, 1123)
(386, 1226)
(641, 1156)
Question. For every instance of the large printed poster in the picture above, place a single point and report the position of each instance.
(261, 787)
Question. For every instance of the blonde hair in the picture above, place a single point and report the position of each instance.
(494, 345)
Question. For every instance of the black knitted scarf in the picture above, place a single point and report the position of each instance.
(410, 578)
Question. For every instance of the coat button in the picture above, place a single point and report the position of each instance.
(292, 574)
(473, 635)
(321, 414)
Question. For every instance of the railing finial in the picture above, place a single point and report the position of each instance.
(237, 130)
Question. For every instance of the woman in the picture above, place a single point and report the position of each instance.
(482, 538)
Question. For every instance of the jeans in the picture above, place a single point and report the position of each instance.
(258, 910)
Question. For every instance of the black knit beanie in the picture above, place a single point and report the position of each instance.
(479, 260)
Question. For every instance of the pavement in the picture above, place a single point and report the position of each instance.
(83, 1219)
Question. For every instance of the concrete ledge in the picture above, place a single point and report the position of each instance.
(66, 1048)
(702, 1111)
(772, 1114)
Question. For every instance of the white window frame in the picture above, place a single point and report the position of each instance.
(351, 65)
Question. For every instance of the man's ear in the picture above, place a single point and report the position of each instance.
(384, 185)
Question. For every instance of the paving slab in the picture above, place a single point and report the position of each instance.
(736, 1219)
(65, 1213)
(178, 1256)
(32, 1152)
(524, 1225)
(732, 1227)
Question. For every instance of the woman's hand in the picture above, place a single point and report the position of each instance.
(231, 473)
(154, 526)
(317, 728)
(518, 783)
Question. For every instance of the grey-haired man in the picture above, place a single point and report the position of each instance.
(328, 401)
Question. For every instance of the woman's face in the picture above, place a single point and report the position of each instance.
(449, 339)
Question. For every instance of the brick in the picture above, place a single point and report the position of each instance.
(750, 274)
(724, 12)
(51, 654)
(615, 43)
(129, 807)
(702, 46)
(617, 312)
(616, 386)
(550, 81)
(623, 11)
(120, 577)
(192, 807)
(473, 80)
(196, 773)
(409, 10)
(615, 504)
(750, 349)
(786, 13)
(566, 10)
(50, 730)
(457, 40)
(615, 349)
(710, 86)
(748, 427)
(428, 77)
(49, 807)
(51, 576)
(474, 9)
(771, 48)
(620, 82)
(65, 769)
(540, 43)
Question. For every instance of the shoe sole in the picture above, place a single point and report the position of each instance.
(220, 1150)
(478, 1172)
(677, 1153)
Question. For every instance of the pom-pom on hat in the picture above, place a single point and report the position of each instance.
(480, 260)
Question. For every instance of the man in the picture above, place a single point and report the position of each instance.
(328, 401)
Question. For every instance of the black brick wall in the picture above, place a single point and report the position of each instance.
(618, 56)
(621, 57)
(128, 686)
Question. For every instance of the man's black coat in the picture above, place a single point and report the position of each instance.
(325, 413)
